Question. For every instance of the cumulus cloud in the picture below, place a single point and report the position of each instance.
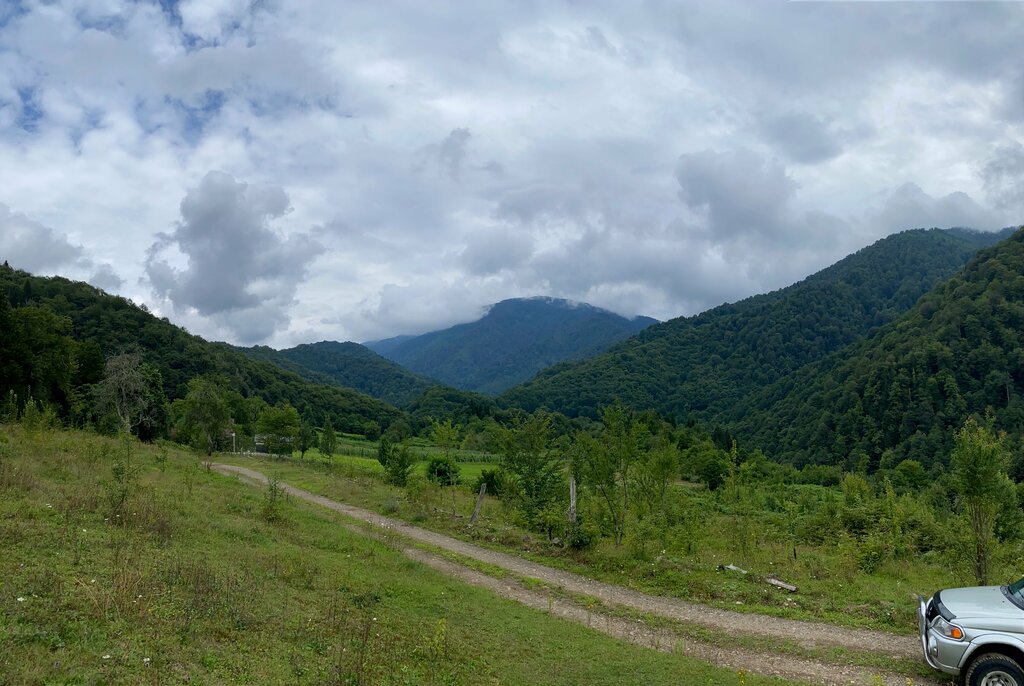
(447, 157)
(490, 252)
(239, 268)
(105, 278)
(27, 244)
(737, 191)
(1003, 175)
(908, 207)
(656, 158)
(802, 137)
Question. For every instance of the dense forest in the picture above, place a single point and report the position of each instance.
(350, 365)
(58, 333)
(703, 366)
(900, 393)
(512, 342)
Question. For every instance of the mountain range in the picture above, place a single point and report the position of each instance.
(874, 360)
(109, 324)
(902, 391)
(350, 365)
(513, 341)
(703, 366)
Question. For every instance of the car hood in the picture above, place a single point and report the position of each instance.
(980, 602)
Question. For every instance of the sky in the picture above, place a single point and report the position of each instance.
(283, 172)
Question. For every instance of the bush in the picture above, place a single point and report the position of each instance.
(396, 460)
(443, 471)
(497, 482)
(872, 552)
(579, 536)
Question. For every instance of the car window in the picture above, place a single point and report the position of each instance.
(1017, 588)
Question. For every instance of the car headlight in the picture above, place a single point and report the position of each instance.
(948, 630)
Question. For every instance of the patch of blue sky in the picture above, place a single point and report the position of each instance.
(91, 121)
(30, 113)
(11, 10)
(198, 113)
(112, 23)
(272, 103)
(169, 8)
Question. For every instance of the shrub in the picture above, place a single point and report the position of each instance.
(443, 471)
(273, 501)
(579, 536)
(497, 482)
(396, 460)
(872, 552)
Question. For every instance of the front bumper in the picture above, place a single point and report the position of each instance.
(941, 653)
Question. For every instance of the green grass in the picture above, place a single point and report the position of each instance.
(468, 471)
(191, 576)
(832, 586)
(357, 446)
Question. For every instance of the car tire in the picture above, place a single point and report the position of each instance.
(994, 669)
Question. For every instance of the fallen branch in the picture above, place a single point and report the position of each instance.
(781, 584)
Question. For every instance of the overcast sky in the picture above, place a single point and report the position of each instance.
(283, 172)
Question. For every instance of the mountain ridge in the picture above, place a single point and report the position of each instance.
(349, 365)
(513, 340)
(700, 366)
(900, 392)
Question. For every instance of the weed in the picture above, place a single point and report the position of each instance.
(273, 501)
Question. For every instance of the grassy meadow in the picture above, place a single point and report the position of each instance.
(793, 532)
(150, 569)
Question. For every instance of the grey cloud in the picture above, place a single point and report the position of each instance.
(239, 268)
(802, 137)
(105, 278)
(739, 192)
(29, 245)
(1003, 176)
(572, 165)
(448, 155)
(490, 252)
(1012, 107)
(909, 207)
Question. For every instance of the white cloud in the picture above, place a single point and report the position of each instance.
(647, 158)
(239, 269)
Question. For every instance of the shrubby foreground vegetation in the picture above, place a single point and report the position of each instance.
(156, 571)
(660, 508)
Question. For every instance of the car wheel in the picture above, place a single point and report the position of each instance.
(994, 669)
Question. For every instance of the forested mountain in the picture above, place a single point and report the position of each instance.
(901, 392)
(512, 342)
(350, 365)
(703, 366)
(54, 334)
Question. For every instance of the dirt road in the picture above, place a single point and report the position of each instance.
(805, 634)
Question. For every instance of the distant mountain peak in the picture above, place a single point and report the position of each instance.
(512, 340)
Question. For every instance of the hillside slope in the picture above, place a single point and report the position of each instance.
(350, 365)
(902, 392)
(116, 324)
(702, 366)
(512, 342)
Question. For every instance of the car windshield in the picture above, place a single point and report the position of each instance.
(1016, 589)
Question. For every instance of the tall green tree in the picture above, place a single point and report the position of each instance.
(654, 471)
(605, 463)
(977, 465)
(445, 435)
(306, 438)
(534, 467)
(328, 439)
(203, 414)
(280, 428)
(122, 391)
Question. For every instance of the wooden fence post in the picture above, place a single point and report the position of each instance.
(479, 502)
